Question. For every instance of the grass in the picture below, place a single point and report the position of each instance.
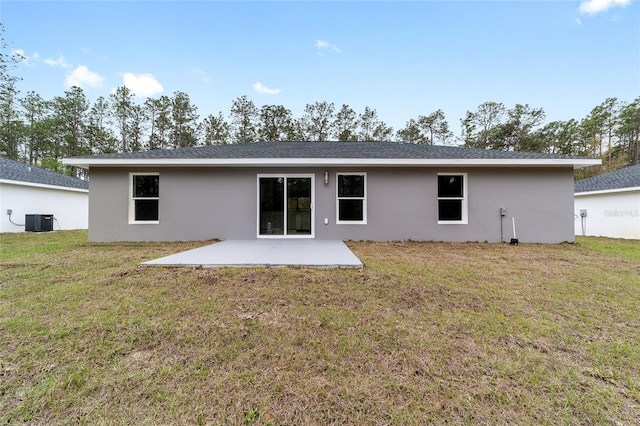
(425, 333)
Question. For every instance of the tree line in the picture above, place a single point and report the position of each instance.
(42, 131)
(610, 131)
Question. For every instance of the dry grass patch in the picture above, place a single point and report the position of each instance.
(426, 333)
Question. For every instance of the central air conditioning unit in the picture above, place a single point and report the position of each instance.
(38, 222)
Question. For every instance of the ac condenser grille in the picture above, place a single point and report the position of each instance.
(38, 222)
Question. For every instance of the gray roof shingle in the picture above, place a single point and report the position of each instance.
(628, 177)
(329, 150)
(20, 172)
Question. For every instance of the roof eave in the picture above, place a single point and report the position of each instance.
(86, 163)
(607, 191)
(42, 185)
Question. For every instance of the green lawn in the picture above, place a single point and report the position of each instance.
(425, 333)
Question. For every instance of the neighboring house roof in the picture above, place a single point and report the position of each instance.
(328, 153)
(629, 177)
(16, 171)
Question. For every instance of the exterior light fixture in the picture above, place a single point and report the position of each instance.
(326, 177)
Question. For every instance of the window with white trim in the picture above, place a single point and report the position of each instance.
(144, 197)
(351, 204)
(452, 198)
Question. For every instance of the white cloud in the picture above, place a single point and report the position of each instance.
(81, 76)
(591, 7)
(260, 88)
(323, 44)
(201, 75)
(143, 85)
(22, 56)
(58, 62)
(578, 21)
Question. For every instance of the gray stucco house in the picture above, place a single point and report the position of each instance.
(379, 191)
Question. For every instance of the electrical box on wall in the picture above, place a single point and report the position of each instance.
(38, 222)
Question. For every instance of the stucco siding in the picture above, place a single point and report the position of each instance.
(69, 208)
(195, 204)
(402, 205)
(614, 214)
(205, 203)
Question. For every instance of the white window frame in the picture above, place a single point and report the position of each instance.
(132, 200)
(364, 200)
(464, 199)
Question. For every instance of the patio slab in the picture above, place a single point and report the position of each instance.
(266, 252)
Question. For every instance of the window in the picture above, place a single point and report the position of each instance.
(452, 198)
(352, 202)
(145, 198)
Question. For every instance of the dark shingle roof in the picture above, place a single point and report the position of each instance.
(16, 171)
(329, 150)
(628, 177)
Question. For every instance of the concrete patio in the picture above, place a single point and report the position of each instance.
(265, 252)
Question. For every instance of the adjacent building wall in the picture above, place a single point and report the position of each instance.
(69, 207)
(206, 203)
(613, 214)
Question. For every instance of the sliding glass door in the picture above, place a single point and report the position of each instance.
(285, 206)
(271, 205)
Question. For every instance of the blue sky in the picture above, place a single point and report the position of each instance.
(402, 58)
